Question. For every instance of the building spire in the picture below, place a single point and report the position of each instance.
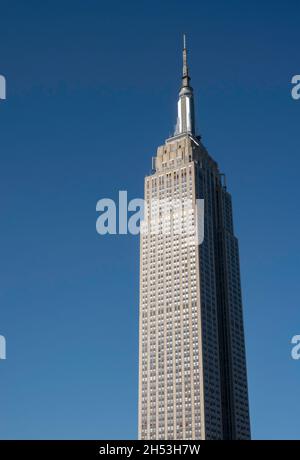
(185, 70)
(186, 118)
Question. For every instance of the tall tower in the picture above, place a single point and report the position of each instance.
(192, 364)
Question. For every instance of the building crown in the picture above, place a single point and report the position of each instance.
(185, 106)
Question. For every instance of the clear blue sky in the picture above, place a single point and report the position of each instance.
(92, 91)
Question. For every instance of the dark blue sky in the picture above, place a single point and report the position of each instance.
(91, 92)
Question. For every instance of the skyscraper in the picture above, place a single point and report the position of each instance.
(192, 364)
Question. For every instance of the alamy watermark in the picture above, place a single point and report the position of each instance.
(295, 352)
(2, 97)
(295, 92)
(165, 216)
(2, 87)
(2, 347)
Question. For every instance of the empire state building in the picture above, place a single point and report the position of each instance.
(192, 364)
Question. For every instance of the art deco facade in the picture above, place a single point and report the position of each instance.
(192, 366)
